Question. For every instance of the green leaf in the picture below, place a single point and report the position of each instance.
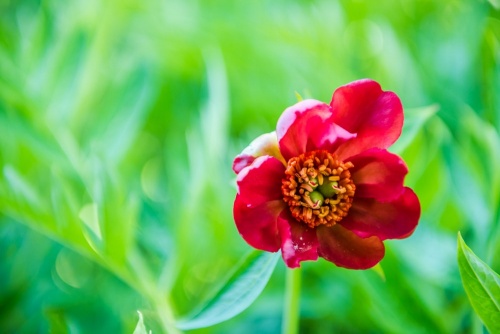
(239, 291)
(482, 286)
(140, 328)
(379, 271)
(495, 3)
(299, 97)
(414, 120)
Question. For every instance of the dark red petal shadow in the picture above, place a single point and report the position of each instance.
(344, 248)
(298, 241)
(261, 181)
(376, 116)
(307, 126)
(378, 174)
(258, 225)
(391, 220)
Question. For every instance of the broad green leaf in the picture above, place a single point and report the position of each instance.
(482, 286)
(239, 291)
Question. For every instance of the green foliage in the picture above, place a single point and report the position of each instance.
(415, 119)
(240, 290)
(119, 121)
(482, 286)
(141, 328)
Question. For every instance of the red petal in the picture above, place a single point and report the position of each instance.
(261, 181)
(376, 116)
(392, 220)
(344, 248)
(307, 126)
(258, 225)
(241, 161)
(266, 144)
(378, 174)
(298, 241)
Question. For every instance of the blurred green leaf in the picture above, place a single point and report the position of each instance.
(119, 120)
(473, 163)
(495, 3)
(239, 291)
(20, 187)
(379, 271)
(414, 120)
(482, 286)
(141, 328)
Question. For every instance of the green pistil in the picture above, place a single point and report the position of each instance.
(317, 199)
(329, 188)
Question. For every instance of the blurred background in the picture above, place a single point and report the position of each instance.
(119, 121)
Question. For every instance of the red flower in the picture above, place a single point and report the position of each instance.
(324, 184)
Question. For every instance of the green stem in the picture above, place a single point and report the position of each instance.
(166, 315)
(291, 309)
(159, 299)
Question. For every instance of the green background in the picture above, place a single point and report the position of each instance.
(119, 121)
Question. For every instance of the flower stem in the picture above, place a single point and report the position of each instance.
(165, 315)
(291, 309)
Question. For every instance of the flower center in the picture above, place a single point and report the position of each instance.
(318, 188)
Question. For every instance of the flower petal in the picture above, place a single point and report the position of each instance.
(344, 248)
(376, 116)
(392, 220)
(378, 174)
(307, 126)
(298, 241)
(266, 144)
(258, 225)
(261, 181)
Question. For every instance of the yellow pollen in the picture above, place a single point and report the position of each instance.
(305, 175)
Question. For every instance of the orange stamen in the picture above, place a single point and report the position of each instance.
(315, 168)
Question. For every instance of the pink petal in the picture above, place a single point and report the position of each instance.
(258, 225)
(261, 181)
(344, 248)
(307, 126)
(266, 144)
(392, 220)
(378, 174)
(241, 161)
(376, 116)
(298, 241)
